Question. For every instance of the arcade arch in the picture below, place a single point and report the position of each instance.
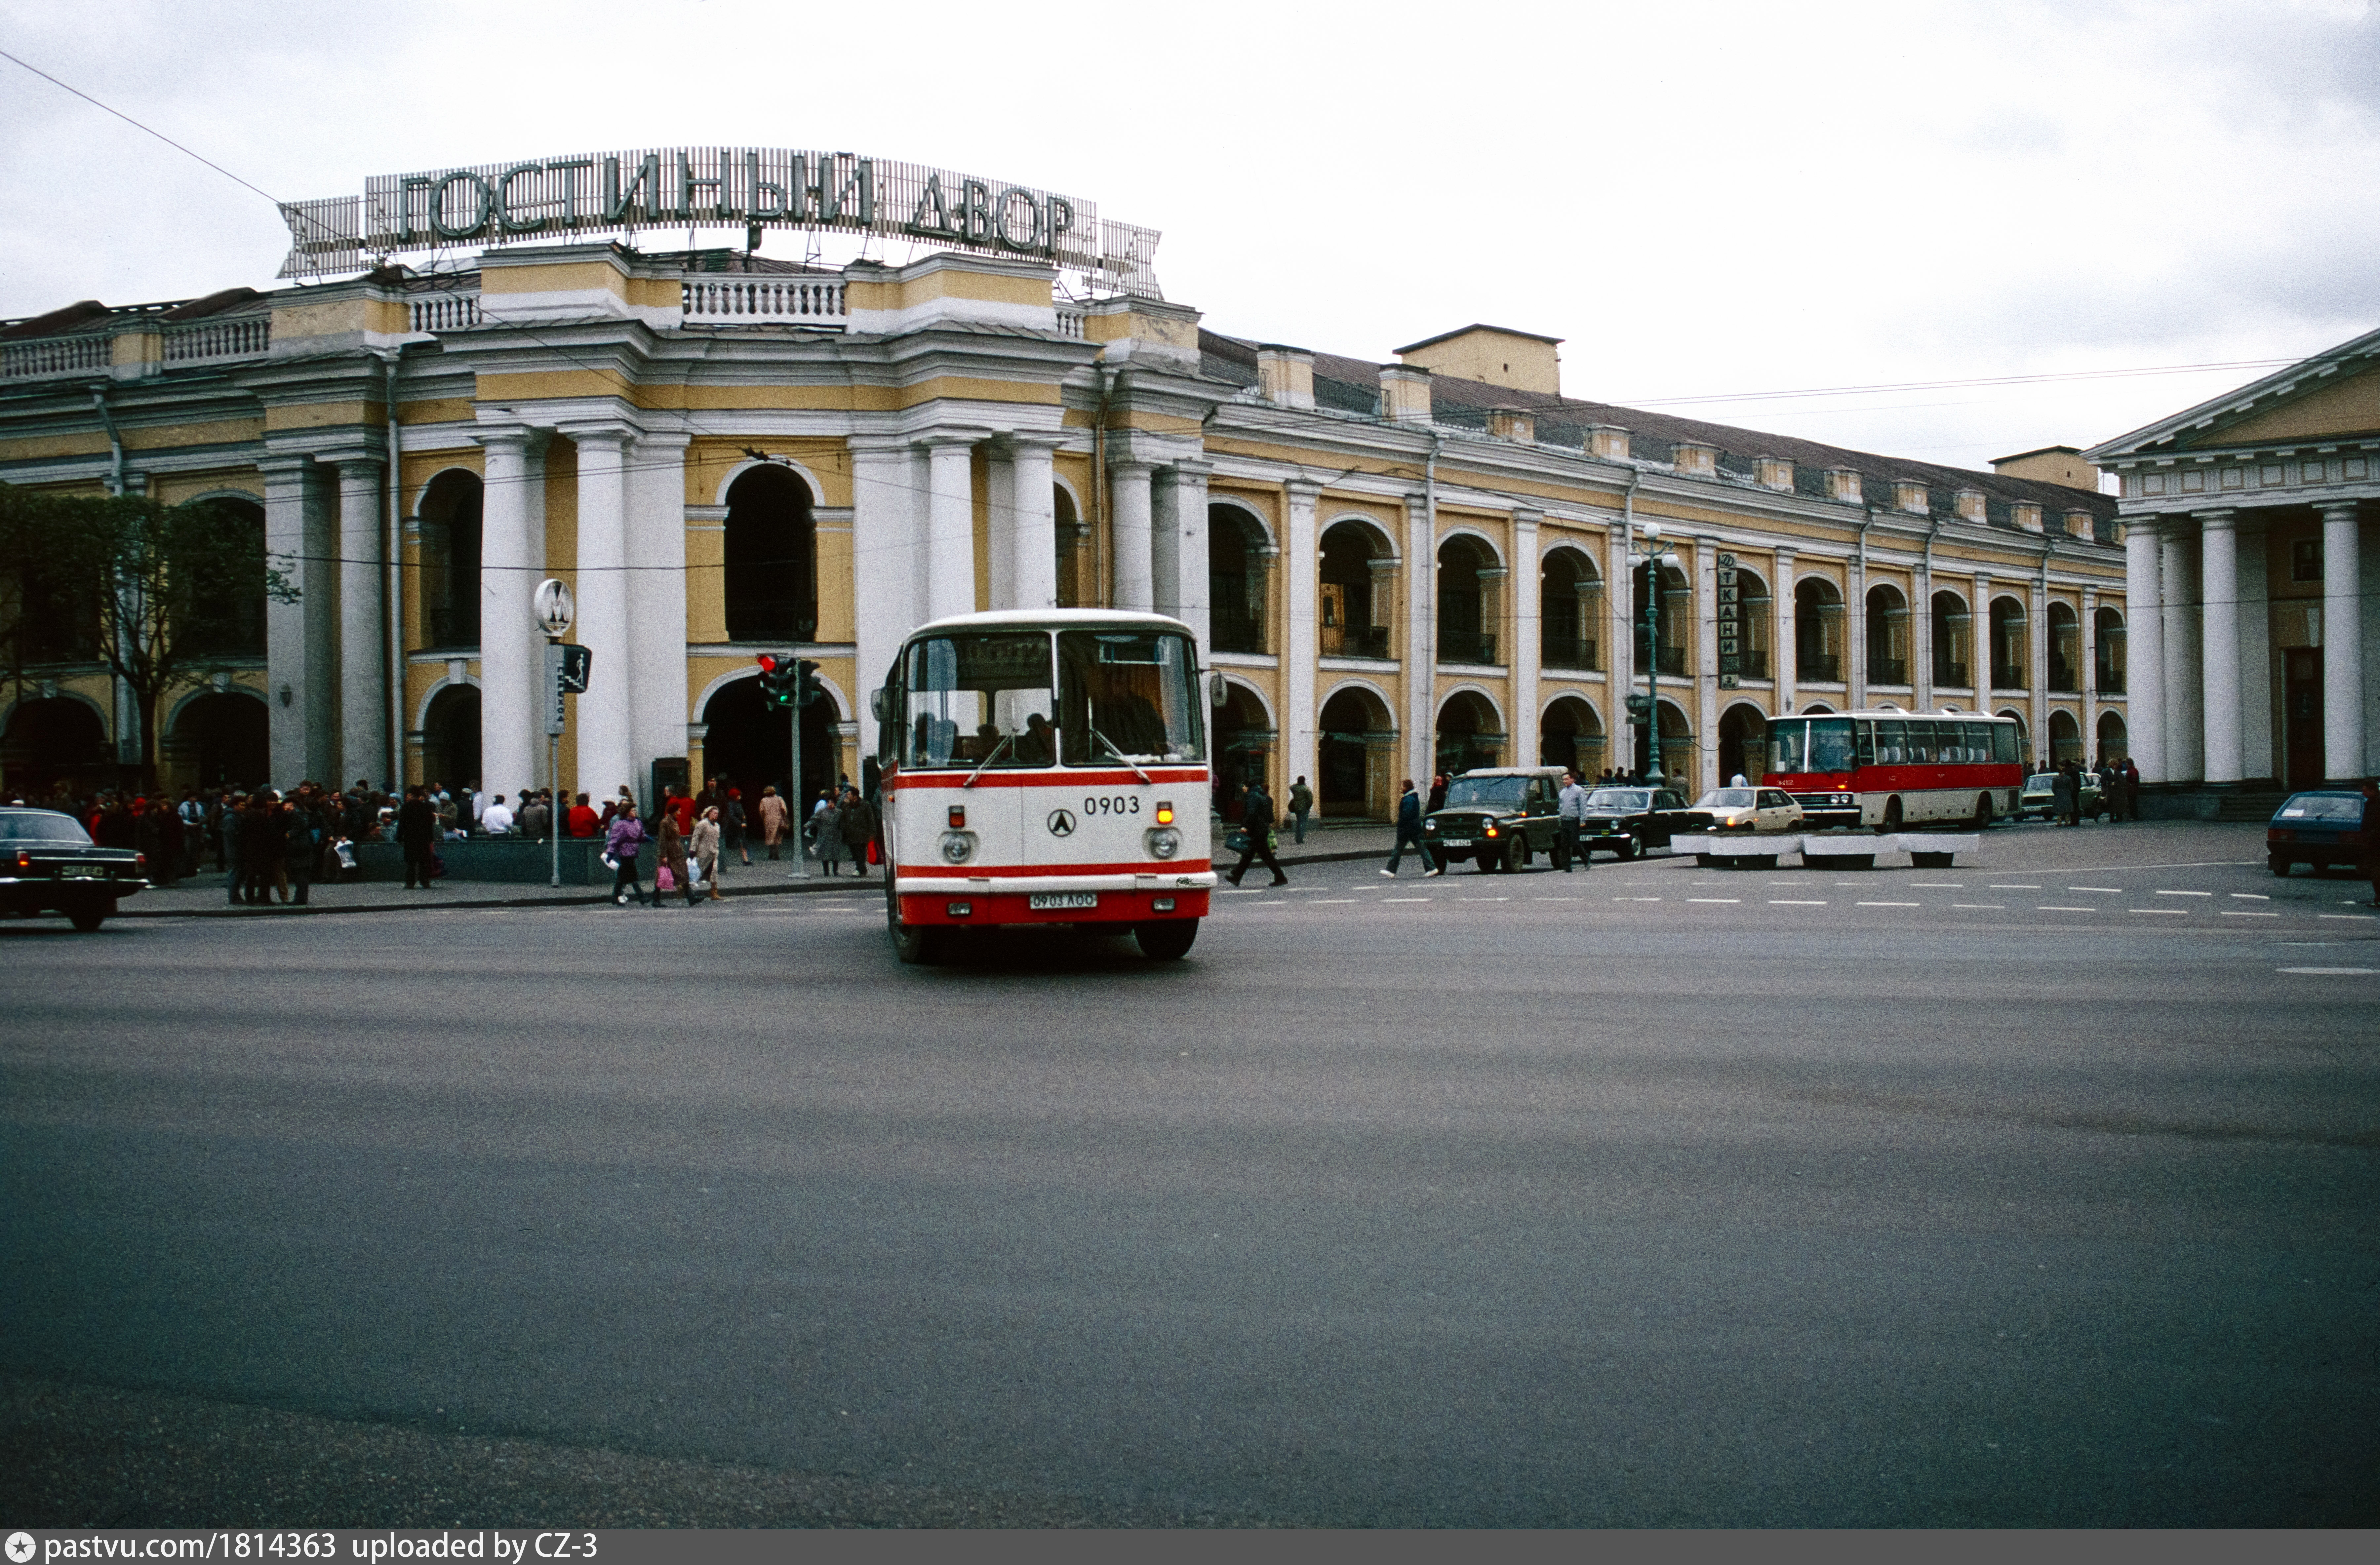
(221, 738)
(1742, 744)
(2114, 741)
(1817, 631)
(1470, 732)
(1468, 606)
(1570, 734)
(53, 740)
(1569, 609)
(1356, 601)
(748, 742)
(1888, 636)
(2108, 651)
(1954, 649)
(1355, 754)
(2065, 648)
(2008, 646)
(1245, 738)
(450, 512)
(450, 736)
(2065, 737)
(770, 585)
(1236, 553)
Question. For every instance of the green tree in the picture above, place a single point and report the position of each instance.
(162, 594)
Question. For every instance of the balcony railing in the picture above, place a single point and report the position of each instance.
(1672, 660)
(1070, 321)
(210, 342)
(1823, 666)
(453, 627)
(712, 300)
(1888, 671)
(1752, 665)
(445, 312)
(2111, 680)
(2007, 676)
(1355, 641)
(2062, 676)
(1572, 652)
(57, 356)
(1465, 647)
(1949, 676)
(1234, 631)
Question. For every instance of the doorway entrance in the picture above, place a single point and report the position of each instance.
(2301, 716)
(750, 743)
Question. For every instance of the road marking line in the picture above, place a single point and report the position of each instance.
(1405, 899)
(1714, 899)
(1557, 899)
(2234, 912)
(1327, 902)
(1892, 904)
(1939, 885)
(2118, 890)
(2358, 918)
(2054, 909)
(2168, 911)
(2185, 893)
(1999, 906)
(2251, 896)
(1246, 891)
(1483, 898)
(2011, 887)
(2341, 972)
(1635, 899)
(1793, 902)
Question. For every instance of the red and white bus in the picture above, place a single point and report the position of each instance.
(1887, 769)
(1046, 767)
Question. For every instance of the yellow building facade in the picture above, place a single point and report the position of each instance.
(1400, 568)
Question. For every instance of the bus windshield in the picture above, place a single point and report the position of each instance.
(1831, 744)
(1127, 695)
(979, 699)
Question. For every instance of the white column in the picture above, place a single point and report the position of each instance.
(1178, 553)
(1526, 588)
(1129, 485)
(1000, 529)
(1855, 634)
(363, 671)
(1705, 704)
(2255, 624)
(1301, 566)
(656, 550)
(1033, 493)
(301, 640)
(2144, 648)
(2184, 735)
(888, 598)
(2087, 677)
(1781, 648)
(2342, 645)
(2036, 654)
(1420, 651)
(950, 525)
(605, 717)
(2218, 575)
(512, 561)
(1920, 637)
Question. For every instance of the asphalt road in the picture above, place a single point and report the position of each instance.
(2042, 1192)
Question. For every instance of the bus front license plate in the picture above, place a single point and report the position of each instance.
(1040, 900)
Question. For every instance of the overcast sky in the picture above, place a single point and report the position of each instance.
(1701, 200)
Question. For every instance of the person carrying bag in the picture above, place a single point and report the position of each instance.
(620, 845)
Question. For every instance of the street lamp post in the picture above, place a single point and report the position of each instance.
(1651, 558)
(555, 609)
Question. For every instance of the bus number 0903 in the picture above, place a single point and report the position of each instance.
(1119, 804)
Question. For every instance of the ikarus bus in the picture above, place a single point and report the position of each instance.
(1046, 767)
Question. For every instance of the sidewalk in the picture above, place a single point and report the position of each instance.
(204, 897)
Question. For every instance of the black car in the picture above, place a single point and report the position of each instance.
(1496, 816)
(1628, 819)
(2321, 827)
(48, 863)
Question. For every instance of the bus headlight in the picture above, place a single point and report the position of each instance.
(958, 846)
(1164, 842)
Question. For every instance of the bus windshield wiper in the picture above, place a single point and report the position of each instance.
(1119, 754)
(1005, 740)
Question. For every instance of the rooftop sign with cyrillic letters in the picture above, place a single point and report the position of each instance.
(693, 188)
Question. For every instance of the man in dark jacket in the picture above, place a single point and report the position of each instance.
(417, 828)
(1256, 819)
(2371, 838)
(1409, 832)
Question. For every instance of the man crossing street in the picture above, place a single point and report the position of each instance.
(1571, 806)
(1256, 820)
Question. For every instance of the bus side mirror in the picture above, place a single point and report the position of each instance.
(1218, 691)
(875, 703)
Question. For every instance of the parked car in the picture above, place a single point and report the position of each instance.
(2321, 827)
(1744, 809)
(1627, 821)
(1496, 816)
(48, 864)
(2039, 797)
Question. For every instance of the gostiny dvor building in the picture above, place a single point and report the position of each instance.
(1400, 567)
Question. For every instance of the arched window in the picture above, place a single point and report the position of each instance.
(1469, 733)
(1570, 612)
(1467, 607)
(1355, 598)
(1742, 744)
(1676, 622)
(2115, 743)
(450, 562)
(1072, 555)
(1753, 607)
(772, 577)
(1244, 745)
(221, 739)
(231, 626)
(1235, 580)
(2009, 649)
(1817, 630)
(1356, 751)
(1888, 636)
(55, 741)
(2107, 651)
(2065, 737)
(449, 737)
(1953, 642)
(2065, 648)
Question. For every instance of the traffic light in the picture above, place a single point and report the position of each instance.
(779, 675)
(805, 684)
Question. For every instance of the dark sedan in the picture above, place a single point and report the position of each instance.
(1628, 820)
(48, 864)
(2321, 827)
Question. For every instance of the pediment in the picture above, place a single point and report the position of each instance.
(2333, 396)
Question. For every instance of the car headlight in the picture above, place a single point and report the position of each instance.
(1164, 842)
(958, 846)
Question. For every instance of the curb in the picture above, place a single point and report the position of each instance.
(597, 900)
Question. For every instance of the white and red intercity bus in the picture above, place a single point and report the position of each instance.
(1046, 767)
(1887, 769)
